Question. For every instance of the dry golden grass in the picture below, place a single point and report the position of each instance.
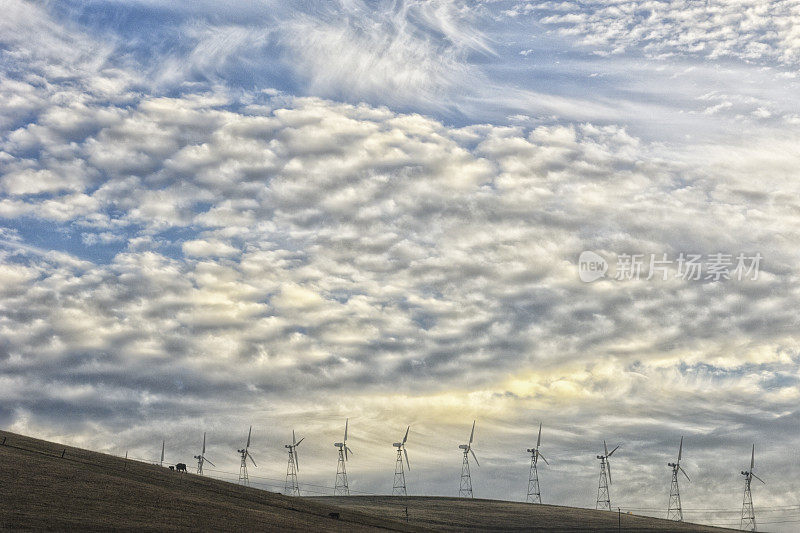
(457, 514)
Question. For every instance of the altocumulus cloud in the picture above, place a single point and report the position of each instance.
(213, 259)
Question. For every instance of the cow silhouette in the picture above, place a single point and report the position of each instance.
(172, 468)
(180, 467)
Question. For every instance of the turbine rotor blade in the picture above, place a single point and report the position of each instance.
(473, 432)
(406, 437)
(248, 437)
(474, 457)
(608, 469)
(204, 443)
(252, 460)
(298, 442)
(346, 421)
(294, 440)
(296, 460)
(758, 478)
(612, 451)
(753, 457)
(539, 440)
(163, 443)
(406, 454)
(542, 456)
(680, 450)
(209, 462)
(684, 473)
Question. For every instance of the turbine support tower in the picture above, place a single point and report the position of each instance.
(341, 488)
(675, 511)
(291, 487)
(465, 487)
(603, 494)
(534, 495)
(244, 478)
(748, 521)
(399, 484)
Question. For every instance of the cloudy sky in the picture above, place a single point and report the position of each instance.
(286, 213)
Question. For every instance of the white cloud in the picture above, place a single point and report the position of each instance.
(749, 30)
(204, 248)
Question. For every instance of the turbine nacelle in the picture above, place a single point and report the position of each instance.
(397, 444)
(463, 447)
(338, 444)
(531, 450)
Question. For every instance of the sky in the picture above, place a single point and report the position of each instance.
(286, 214)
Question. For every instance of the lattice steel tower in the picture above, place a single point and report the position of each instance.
(399, 484)
(748, 521)
(341, 487)
(675, 511)
(603, 495)
(465, 487)
(291, 487)
(534, 495)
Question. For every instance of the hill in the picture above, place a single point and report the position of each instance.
(91, 491)
(49, 486)
(458, 514)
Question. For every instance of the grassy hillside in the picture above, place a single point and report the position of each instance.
(92, 491)
(457, 514)
(83, 490)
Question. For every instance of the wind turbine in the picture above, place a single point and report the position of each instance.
(674, 511)
(748, 521)
(399, 485)
(202, 457)
(244, 479)
(291, 487)
(465, 488)
(603, 496)
(341, 488)
(534, 495)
